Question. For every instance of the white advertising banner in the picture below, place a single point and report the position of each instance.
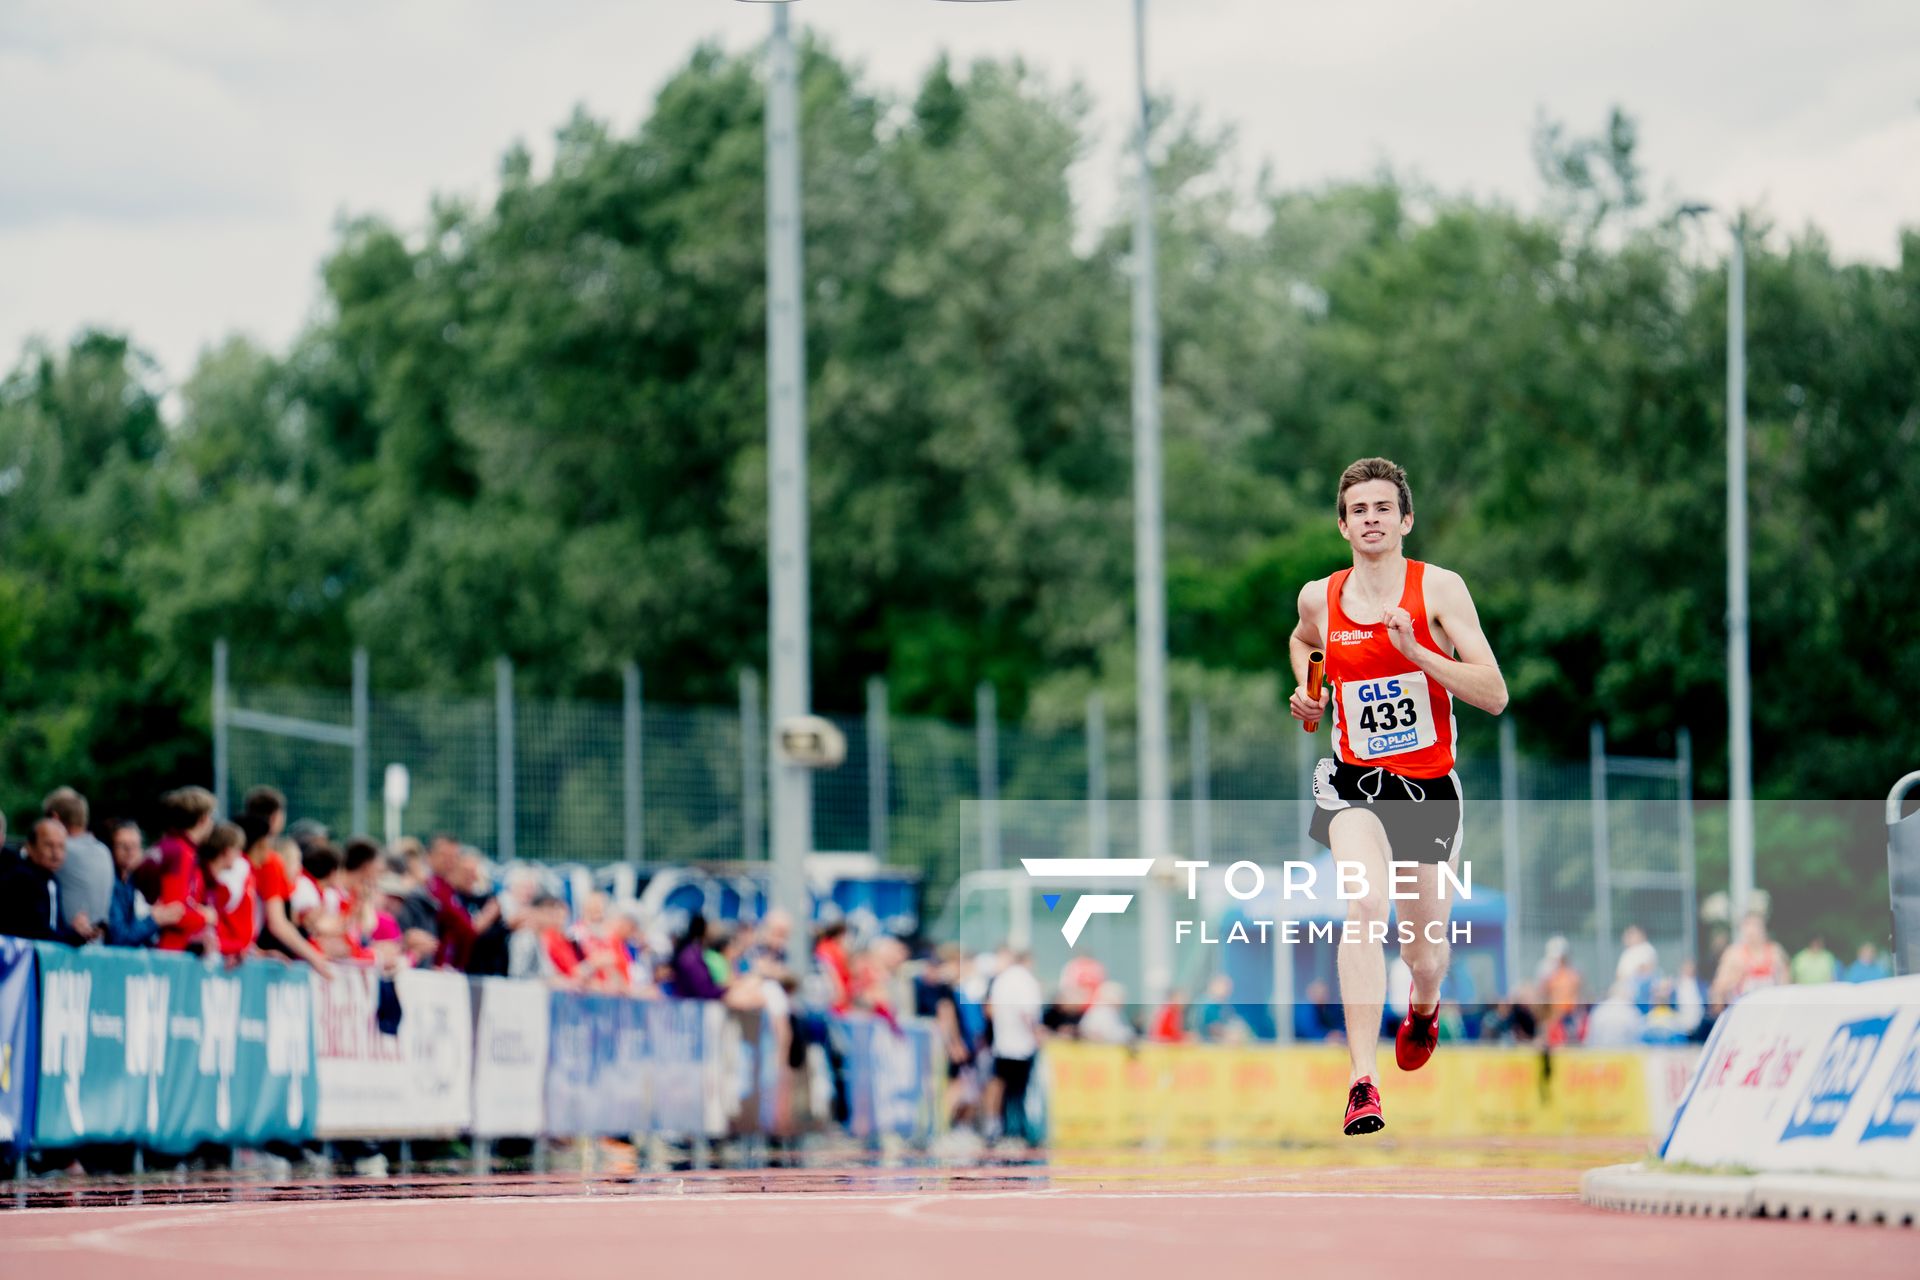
(509, 1057)
(1809, 1079)
(417, 1082)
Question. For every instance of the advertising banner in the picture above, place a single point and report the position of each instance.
(510, 1033)
(1106, 1097)
(415, 1082)
(678, 1080)
(892, 1079)
(19, 1042)
(1809, 1079)
(159, 1049)
(597, 1065)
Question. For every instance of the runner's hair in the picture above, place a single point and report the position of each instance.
(1374, 469)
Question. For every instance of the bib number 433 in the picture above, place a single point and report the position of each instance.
(1388, 716)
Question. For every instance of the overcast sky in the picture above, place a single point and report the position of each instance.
(175, 169)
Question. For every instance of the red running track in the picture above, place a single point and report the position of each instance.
(1109, 1223)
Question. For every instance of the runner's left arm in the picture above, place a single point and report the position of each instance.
(1473, 675)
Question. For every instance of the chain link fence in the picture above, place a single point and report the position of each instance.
(1582, 849)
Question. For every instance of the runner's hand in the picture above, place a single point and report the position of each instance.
(1305, 706)
(1400, 631)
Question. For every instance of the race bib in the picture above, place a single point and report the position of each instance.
(1387, 717)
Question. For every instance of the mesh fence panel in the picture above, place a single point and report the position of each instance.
(698, 764)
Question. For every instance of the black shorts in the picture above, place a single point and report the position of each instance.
(1421, 815)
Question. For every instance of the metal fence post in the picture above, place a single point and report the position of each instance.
(877, 761)
(1098, 842)
(503, 756)
(220, 727)
(362, 743)
(1602, 843)
(987, 746)
(752, 753)
(632, 782)
(1199, 745)
(1683, 773)
(1512, 879)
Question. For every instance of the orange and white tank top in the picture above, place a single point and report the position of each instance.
(1385, 710)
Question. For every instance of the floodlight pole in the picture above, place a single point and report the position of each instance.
(791, 837)
(1739, 692)
(1149, 556)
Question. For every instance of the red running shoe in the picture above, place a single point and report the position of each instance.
(1363, 1108)
(1414, 1042)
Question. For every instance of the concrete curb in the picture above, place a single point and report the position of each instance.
(1647, 1188)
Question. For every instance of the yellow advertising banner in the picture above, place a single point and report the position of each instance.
(1200, 1095)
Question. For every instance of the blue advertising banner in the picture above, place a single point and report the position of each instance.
(892, 1086)
(19, 1042)
(597, 1064)
(676, 1059)
(158, 1049)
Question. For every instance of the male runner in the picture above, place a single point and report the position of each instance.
(1402, 641)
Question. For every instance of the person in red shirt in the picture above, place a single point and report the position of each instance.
(229, 886)
(830, 954)
(188, 816)
(272, 890)
(458, 929)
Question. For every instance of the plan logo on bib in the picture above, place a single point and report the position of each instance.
(1088, 905)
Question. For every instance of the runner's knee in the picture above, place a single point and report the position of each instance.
(1427, 961)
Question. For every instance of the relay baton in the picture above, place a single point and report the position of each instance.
(1316, 676)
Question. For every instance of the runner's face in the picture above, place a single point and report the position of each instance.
(1371, 520)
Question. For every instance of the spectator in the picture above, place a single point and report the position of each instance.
(268, 805)
(130, 921)
(456, 926)
(30, 902)
(934, 998)
(1106, 1018)
(359, 879)
(187, 813)
(273, 893)
(830, 960)
(1169, 1024)
(319, 901)
(1751, 964)
(9, 849)
(528, 952)
(692, 976)
(1815, 964)
(1014, 1003)
(1615, 1022)
(1080, 981)
(1563, 990)
(1638, 959)
(1689, 998)
(1319, 1016)
(86, 875)
(1868, 965)
(229, 881)
(1514, 1020)
(489, 955)
(1217, 1018)
(602, 941)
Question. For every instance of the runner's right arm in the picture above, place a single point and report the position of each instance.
(1309, 635)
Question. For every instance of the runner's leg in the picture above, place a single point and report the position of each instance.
(1425, 957)
(1357, 836)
